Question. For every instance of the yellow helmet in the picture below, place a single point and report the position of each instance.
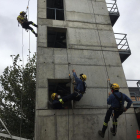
(22, 12)
(83, 76)
(53, 96)
(115, 86)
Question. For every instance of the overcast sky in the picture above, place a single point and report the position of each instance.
(11, 34)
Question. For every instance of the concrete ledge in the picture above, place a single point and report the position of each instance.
(82, 17)
(73, 24)
(93, 47)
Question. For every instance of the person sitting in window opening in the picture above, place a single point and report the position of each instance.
(22, 19)
(79, 90)
(56, 102)
(116, 100)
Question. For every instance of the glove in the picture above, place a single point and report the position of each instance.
(61, 101)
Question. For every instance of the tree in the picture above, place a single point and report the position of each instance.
(17, 98)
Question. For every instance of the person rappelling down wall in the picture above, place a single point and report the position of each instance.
(22, 19)
(116, 100)
(79, 90)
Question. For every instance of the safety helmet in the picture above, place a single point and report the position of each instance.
(83, 76)
(115, 86)
(22, 12)
(53, 95)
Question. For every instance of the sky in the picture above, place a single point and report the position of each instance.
(11, 34)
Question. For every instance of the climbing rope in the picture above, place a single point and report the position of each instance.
(108, 81)
(27, 9)
(22, 87)
(29, 30)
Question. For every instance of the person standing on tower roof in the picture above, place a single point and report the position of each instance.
(22, 19)
(116, 100)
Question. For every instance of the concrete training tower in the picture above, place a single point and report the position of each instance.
(78, 34)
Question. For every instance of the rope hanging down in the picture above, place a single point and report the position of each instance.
(108, 79)
(27, 9)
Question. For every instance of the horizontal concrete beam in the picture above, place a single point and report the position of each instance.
(74, 24)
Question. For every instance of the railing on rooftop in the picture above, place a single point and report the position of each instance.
(112, 7)
(122, 42)
(135, 93)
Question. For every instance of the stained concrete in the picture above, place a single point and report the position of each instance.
(91, 49)
(80, 124)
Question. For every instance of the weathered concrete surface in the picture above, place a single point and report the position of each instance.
(91, 49)
(42, 98)
(80, 124)
(73, 16)
(96, 101)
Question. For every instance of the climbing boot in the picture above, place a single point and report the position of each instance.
(113, 133)
(101, 133)
(36, 35)
(36, 25)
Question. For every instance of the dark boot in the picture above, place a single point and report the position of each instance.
(113, 132)
(35, 25)
(101, 133)
(36, 35)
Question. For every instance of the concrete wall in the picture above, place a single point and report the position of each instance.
(92, 50)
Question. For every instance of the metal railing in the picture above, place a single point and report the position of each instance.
(121, 41)
(135, 93)
(112, 7)
(55, 12)
(137, 97)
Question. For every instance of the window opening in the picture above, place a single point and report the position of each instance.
(56, 37)
(60, 86)
(55, 9)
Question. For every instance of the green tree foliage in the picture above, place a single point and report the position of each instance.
(17, 98)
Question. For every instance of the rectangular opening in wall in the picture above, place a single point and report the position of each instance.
(60, 86)
(55, 9)
(56, 37)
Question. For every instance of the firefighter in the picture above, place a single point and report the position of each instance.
(56, 101)
(79, 89)
(22, 19)
(116, 100)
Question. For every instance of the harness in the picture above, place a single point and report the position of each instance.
(121, 107)
(21, 19)
(80, 92)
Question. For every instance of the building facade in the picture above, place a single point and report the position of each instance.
(78, 34)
